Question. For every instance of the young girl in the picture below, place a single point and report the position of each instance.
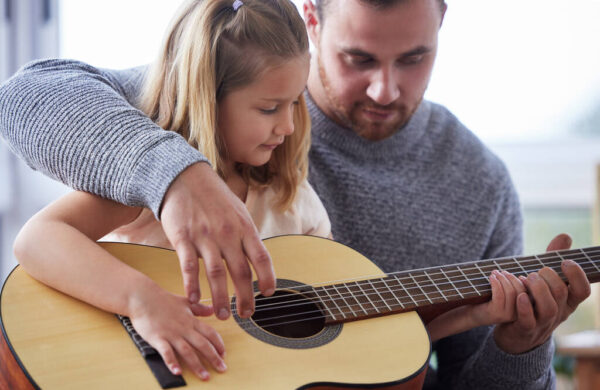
(230, 80)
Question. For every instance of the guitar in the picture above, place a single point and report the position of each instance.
(309, 335)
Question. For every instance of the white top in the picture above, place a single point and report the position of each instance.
(306, 215)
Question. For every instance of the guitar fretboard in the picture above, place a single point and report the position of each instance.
(411, 290)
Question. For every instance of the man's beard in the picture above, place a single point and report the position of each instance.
(351, 117)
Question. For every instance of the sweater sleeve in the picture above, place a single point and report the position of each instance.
(78, 124)
(472, 360)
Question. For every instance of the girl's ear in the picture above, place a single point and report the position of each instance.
(312, 21)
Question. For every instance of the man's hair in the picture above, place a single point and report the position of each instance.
(322, 5)
(212, 49)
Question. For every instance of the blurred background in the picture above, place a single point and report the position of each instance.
(522, 75)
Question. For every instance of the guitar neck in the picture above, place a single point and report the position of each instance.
(437, 289)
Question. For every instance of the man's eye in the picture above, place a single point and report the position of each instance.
(412, 60)
(358, 60)
(361, 60)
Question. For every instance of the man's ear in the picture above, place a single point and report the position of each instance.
(311, 20)
(444, 8)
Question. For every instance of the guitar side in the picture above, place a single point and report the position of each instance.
(64, 343)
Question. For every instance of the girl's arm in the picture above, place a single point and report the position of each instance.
(58, 247)
(500, 309)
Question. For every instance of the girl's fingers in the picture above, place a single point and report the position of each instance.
(188, 353)
(207, 351)
(212, 336)
(168, 356)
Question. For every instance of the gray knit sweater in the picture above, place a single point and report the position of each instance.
(431, 194)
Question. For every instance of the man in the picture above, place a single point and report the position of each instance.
(405, 183)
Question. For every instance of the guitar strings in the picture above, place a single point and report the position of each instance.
(410, 282)
(416, 302)
(366, 294)
(342, 315)
(413, 303)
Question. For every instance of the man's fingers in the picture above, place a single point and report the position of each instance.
(201, 310)
(557, 287)
(546, 306)
(261, 262)
(497, 290)
(516, 283)
(562, 241)
(216, 274)
(579, 286)
(241, 275)
(525, 315)
(188, 261)
(510, 294)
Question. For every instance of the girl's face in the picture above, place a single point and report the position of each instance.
(255, 119)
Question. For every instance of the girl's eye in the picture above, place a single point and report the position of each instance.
(268, 110)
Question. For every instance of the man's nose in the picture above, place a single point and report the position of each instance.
(383, 88)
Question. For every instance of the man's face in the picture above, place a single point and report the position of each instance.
(372, 66)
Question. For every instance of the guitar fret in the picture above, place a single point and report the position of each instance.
(451, 282)
(393, 294)
(368, 298)
(406, 291)
(351, 298)
(420, 288)
(334, 302)
(487, 288)
(344, 299)
(468, 280)
(436, 286)
(540, 261)
(325, 304)
(558, 269)
(500, 268)
(358, 300)
(383, 300)
(590, 260)
(481, 271)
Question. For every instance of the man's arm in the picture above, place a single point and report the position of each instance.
(74, 123)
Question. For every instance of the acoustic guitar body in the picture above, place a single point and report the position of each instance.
(57, 342)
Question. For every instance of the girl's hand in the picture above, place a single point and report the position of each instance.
(168, 323)
(502, 307)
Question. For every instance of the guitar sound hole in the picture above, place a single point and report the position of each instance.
(288, 314)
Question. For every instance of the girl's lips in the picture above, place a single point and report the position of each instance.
(271, 146)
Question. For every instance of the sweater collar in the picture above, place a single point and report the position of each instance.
(329, 132)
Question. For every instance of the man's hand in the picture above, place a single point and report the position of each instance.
(203, 218)
(547, 303)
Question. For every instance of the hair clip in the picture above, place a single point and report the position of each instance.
(237, 4)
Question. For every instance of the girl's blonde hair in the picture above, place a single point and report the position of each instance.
(210, 50)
